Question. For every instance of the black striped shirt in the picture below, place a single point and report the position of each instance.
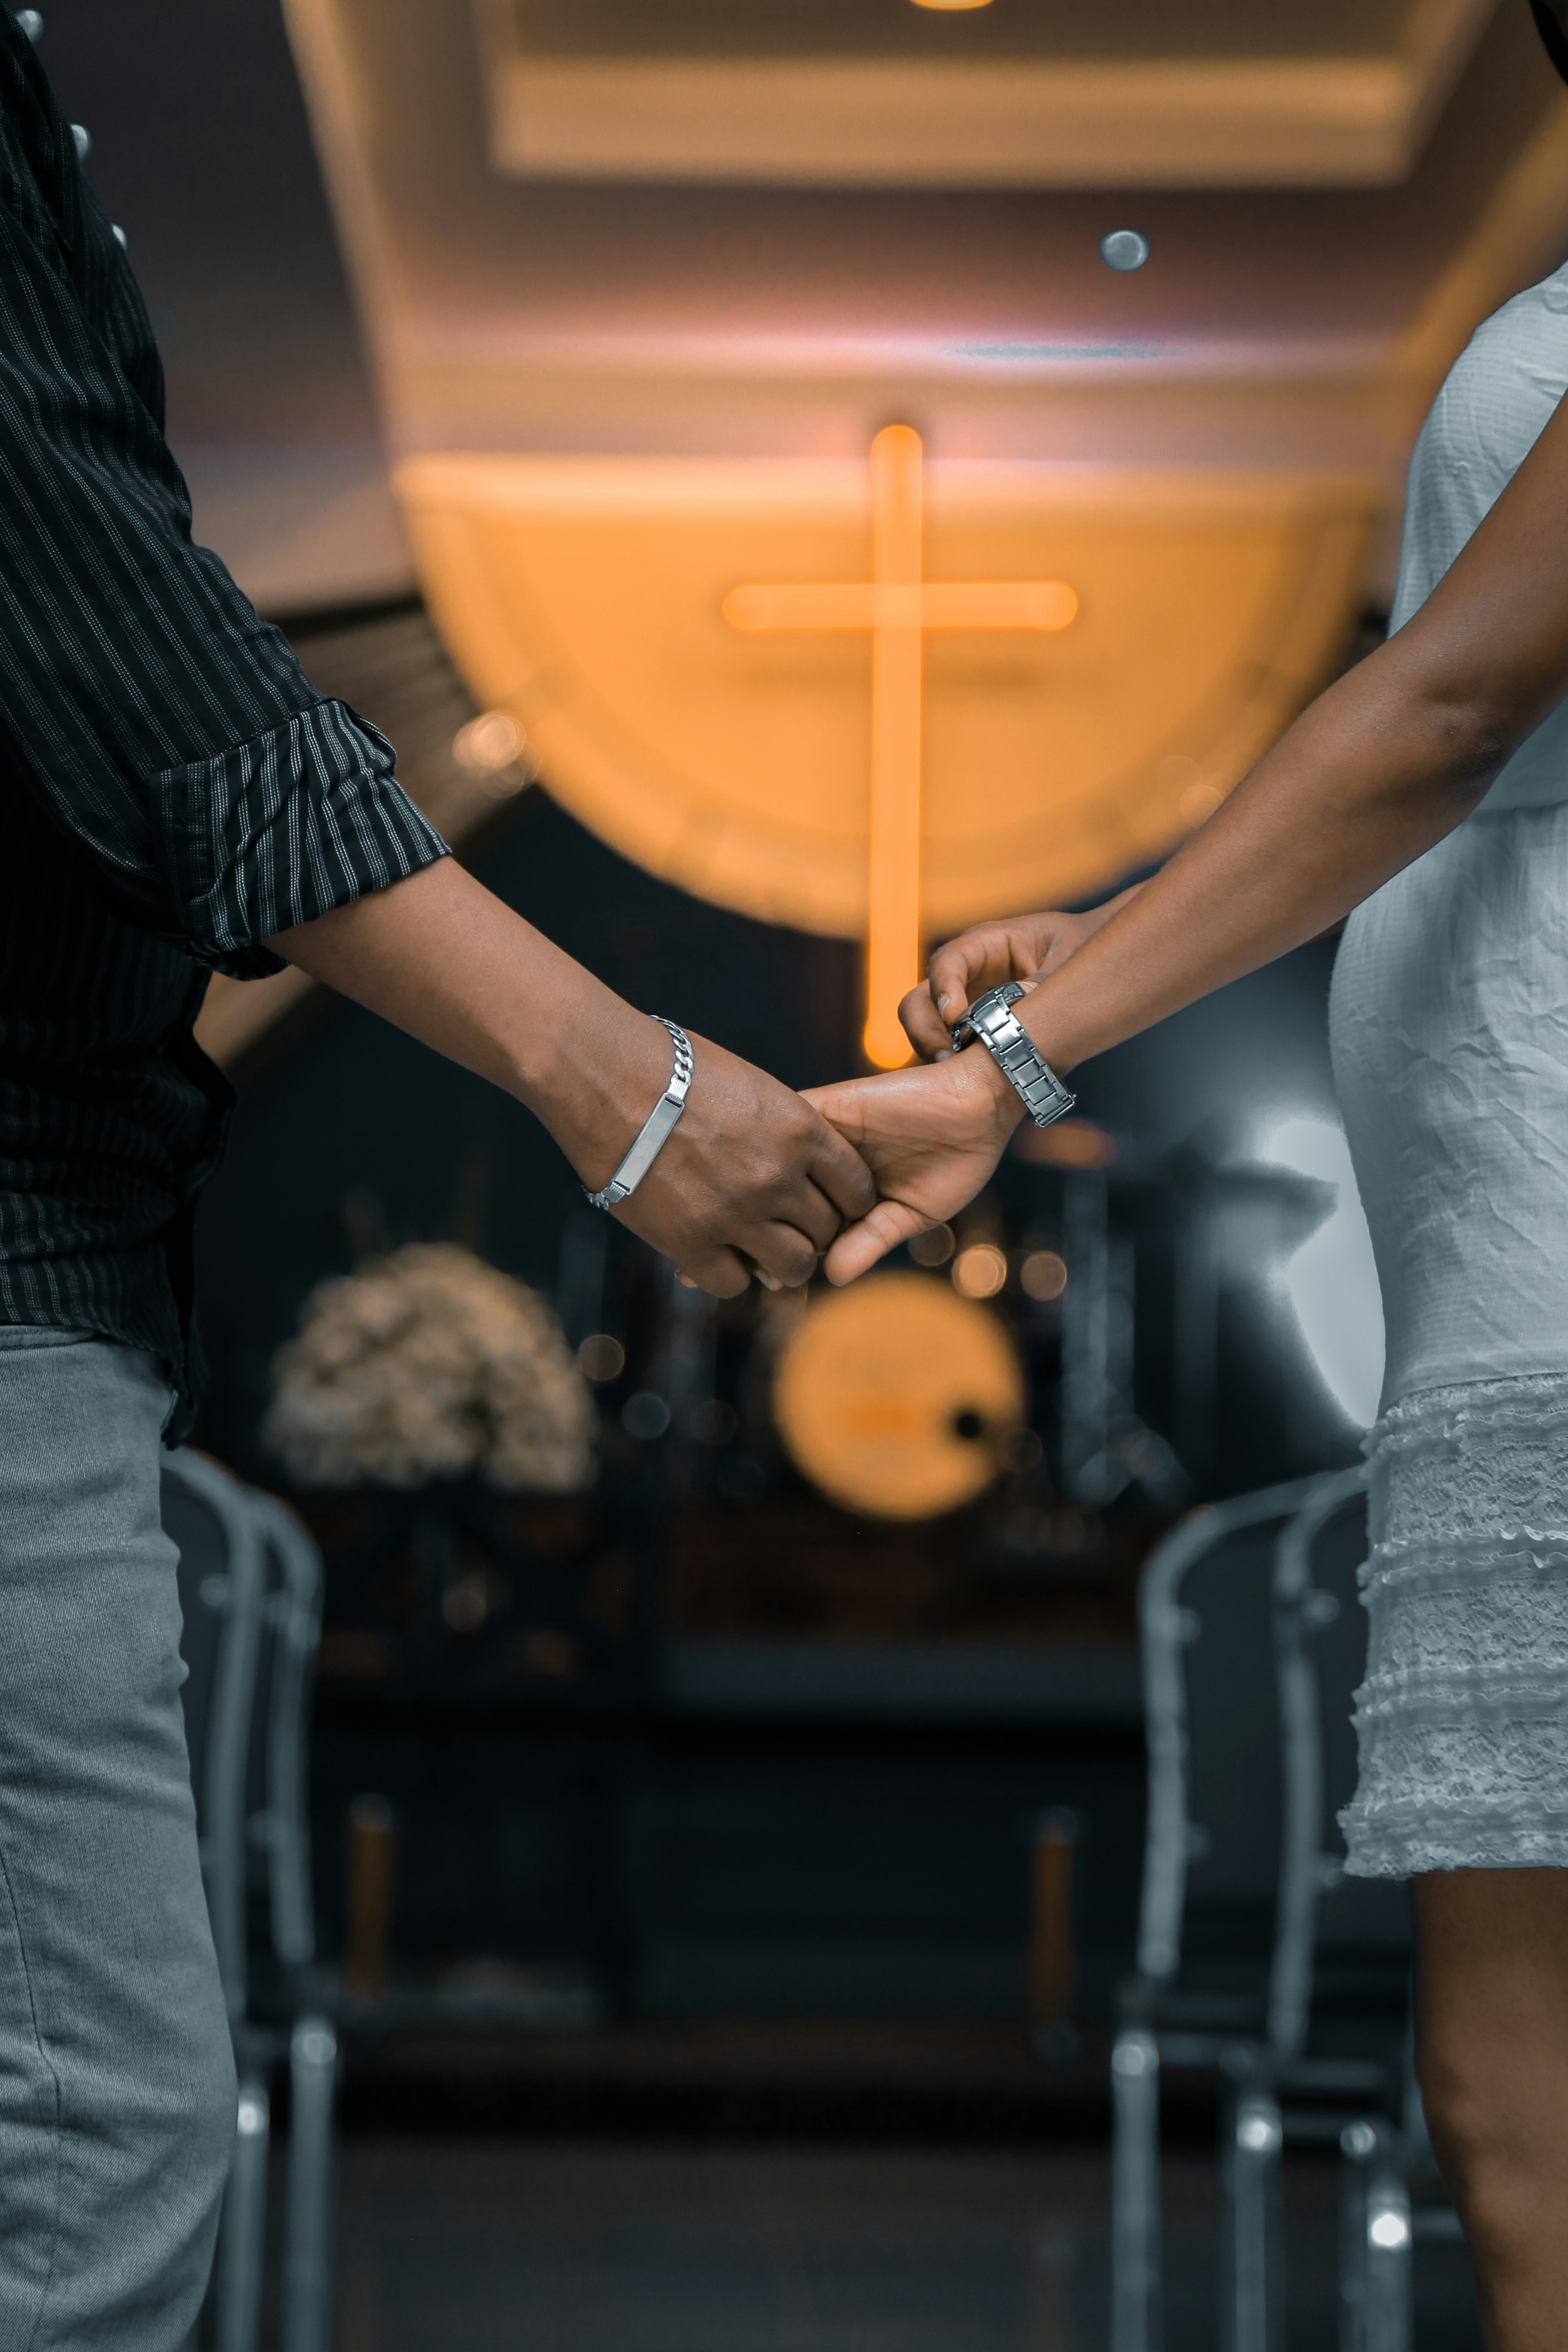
(172, 791)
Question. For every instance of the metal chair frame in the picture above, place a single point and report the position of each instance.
(1306, 1866)
(242, 1816)
(1268, 2078)
(1141, 2045)
(277, 1825)
(1378, 2226)
(1375, 2236)
(1384, 2133)
(292, 1613)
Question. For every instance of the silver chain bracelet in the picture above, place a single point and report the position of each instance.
(657, 1127)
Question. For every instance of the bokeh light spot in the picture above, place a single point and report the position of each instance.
(979, 1271)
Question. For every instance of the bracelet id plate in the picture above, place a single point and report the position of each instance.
(657, 1127)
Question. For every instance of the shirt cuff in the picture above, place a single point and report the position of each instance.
(277, 830)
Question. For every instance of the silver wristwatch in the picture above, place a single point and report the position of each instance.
(991, 1019)
(657, 1127)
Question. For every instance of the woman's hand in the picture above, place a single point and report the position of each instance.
(930, 1138)
(1015, 947)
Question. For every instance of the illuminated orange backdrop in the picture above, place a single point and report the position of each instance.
(586, 596)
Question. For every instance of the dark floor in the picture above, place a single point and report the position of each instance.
(494, 2244)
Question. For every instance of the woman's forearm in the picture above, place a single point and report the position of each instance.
(1374, 773)
(1377, 770)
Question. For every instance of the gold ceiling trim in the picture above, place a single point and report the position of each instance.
(856, 122)
(1355, 400)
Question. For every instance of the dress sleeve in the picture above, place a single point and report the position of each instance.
(143, 705)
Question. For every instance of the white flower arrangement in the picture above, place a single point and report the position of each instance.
(429, 1364)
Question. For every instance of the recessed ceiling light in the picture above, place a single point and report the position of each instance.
(1121, 249)
(953, 3)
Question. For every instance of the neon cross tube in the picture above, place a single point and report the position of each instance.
(898, 606)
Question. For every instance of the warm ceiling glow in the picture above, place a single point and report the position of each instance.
(721, 736)
(898, 606)
(1341, 97)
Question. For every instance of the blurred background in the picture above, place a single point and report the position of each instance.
(727, 1789)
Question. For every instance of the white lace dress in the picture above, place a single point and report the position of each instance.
(1450, 1019)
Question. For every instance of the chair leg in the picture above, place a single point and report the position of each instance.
(1135, 2250)
(1375, 2241)
(242, 2230)
(308, 2223)
(1252, 2273)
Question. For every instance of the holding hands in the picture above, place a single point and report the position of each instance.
(754, 1179)
(931, 1137)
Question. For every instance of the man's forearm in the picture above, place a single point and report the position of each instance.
(750, 1177)
(440, 956)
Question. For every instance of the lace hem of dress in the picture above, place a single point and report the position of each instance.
(1395, 1852)
(1440, 1697)
(1432, 1416)
(1526, 1553)
(1462, 1719)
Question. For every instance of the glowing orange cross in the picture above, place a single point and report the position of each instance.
(898, 606)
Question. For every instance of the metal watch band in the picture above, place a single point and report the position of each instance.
(656, 1128)
(991, 1018)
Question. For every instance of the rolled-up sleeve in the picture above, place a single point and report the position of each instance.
(282, 829)
(144, 704)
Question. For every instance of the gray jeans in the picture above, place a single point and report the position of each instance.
(117, 2090)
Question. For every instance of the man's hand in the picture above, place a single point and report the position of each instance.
(1015, 947)
(930, 1137)
(750, 1177)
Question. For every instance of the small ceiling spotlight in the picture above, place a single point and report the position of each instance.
(1123, 248)
(953, 3)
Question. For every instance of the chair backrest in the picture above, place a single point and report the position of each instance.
(1343, 1949)
(205, 1512)
(278, 1828)
(1212, 1851)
